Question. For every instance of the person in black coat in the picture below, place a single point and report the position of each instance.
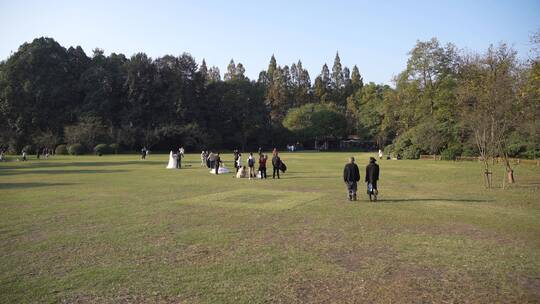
(351, 176)
(217, 163)
(372, 176)
(276, 164)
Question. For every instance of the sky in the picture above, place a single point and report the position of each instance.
(374, 35)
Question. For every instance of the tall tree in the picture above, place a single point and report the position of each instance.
(213, 74)
(356, 79)
(38, 83)
(231, 71)
(489, 104)
(203, 70)
(337, 74)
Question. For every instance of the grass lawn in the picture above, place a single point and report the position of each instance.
(118, 229)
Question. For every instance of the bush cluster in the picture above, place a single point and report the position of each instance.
(76, 149)
(61, 150)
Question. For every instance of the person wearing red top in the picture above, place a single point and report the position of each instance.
(262, 165)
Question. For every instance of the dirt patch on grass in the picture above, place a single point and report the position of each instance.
(126, 297)
(406, 283)
(360, 258)
(532, 287)
(469, 231)
(298, 289)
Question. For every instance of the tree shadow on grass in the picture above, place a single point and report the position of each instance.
(47, 164)
(60, 172)
(405, 200)
(307, 177)
(31, 185)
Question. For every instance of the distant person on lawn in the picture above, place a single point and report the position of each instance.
(262, 165)
(217, 163)
(351, 176)
(251, 166)
(143, 153)
(372, 176)
(276, 164)
(203, 158)
(242, 172)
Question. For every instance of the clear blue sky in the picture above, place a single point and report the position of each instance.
(374, 35)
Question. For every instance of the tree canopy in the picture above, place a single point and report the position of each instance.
(51, 95)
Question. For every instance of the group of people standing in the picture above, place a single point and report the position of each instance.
(211, 160)
(249, 172)
(351, 176)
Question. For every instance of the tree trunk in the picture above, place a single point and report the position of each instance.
(509, 170)
(510, 174)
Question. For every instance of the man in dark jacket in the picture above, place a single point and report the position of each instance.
(276, 164)
(217, 163)
(351, 176)
(372, 176)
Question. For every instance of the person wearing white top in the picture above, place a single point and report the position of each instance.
(251, 166)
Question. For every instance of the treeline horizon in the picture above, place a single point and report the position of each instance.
(52, 95)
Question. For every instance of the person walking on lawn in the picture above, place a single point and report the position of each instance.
(372, 176)
(351, 176)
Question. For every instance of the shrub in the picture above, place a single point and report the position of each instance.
(452, 152)
(102, 149)
(516, 149)
(115, 148)
(61, 150)
(406, 147)
(530, 154)
(76, 149)
(29, 149)
(411, 152)
(389, 149)
(468, 151)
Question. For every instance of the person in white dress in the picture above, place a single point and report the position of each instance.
(173, 159)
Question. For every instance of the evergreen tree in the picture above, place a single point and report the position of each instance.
(272, 66)
(356, 79)
(231, 71)
(240, 70)
(203, 70)
(337, 74)
(213, 74)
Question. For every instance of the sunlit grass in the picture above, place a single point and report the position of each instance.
(116, 228)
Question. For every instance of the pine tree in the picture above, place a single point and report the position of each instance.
(213, 74)
(272, 66)
(356, 79)
(337, 74)
(203, 70)
(231, 71)
(240, 70)
(278, 96)
(325, 77)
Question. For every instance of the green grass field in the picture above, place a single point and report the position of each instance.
(117, 229)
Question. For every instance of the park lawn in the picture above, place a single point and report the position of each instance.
(119, 229)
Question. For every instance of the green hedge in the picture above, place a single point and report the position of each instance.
(76, 149)
(61, 150)
(102, 149)
(115, 148)
(29, 149)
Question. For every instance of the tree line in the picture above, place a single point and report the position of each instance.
(446, 101)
